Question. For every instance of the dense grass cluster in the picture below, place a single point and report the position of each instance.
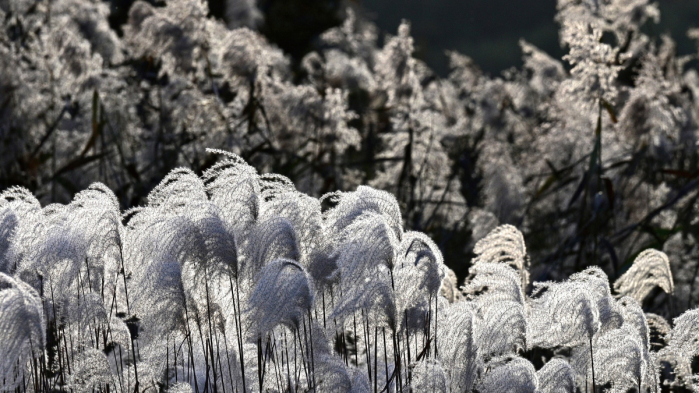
(237, 282)
(225, 280)
(592, 156)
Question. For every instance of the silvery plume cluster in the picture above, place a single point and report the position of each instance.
(237, 282)
(80, 103)
(593, 156)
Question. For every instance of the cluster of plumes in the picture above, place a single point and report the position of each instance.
(592, 156)
(81, 104)
(229, 282)
(237, 282)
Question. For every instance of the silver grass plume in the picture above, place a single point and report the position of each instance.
(23, 230)
(179, 187)
(244, 53)
(597, 283)
(272, 239)
(95, 214)
(91, 371)
(86, 314)
(415, 316)
(283, 294)
(504, 244)
(502, 324)
(20, 200)
(272, 184)
(221, 259)
(619, 360)
(547, 72)
(172, 32)
(156, 258)
(332, 375)
(429, 376)
(366, 243)
(557, 376)
(180, 387)
(372, 292)
(502, 329)
(22, 325)
(635, 318)
(303, 212)
(449, 289)
(683, 346)
(458, 348)
(650, 269)
(180, 249)
(8, 225)
(509, 375)
(418, 273)
(562, 314)
(410, 296)
(493, 282)
(119, 332)
(59, 257)
(420, 251)
(659, 328)
(362, 201)
(322, 263)
(234, 186)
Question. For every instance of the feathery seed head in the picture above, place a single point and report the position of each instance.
(283, 295)
(651, 268)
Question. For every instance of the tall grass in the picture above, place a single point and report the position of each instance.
(236, 282)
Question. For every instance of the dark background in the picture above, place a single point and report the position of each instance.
(486, 30)
(489, 30)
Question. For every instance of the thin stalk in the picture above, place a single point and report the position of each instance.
(167, 361)
(344, 348)
(208, 316)
(310, 333)
(174, 354)
(128, 308)
(367, 346)
(323, 296)
(32, 364)
(266, 355)
(189, 342)
(275, 360)
(397, 358)
(123, 272)
(592, 362)
(356, 341)
(218, 360)
(228, 359)
(303, 358)
(297, 338)
(426, 339)
(259, 362)
(385, 358)
(376, 341)
(435, 324)
(238, 326)
(288, 371)
(407, 344)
